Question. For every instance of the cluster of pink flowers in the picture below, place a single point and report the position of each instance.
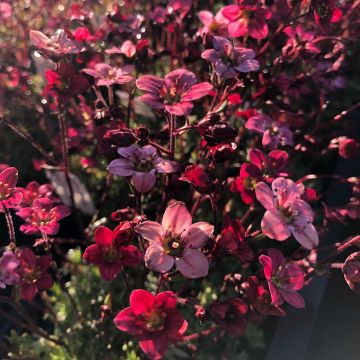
(188, 147)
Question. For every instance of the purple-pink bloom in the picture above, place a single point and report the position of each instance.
(10, 196)
(228, 60)
(9, 264)
(175, 93)
(142, 164)
(274, 132)
(106, 75)
(284, 279)
(176, 240)
(286, 213)
(42, 217)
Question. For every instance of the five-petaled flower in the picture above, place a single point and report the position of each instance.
(33, 273)
(64, 83)
(229, 60)
(176, 240)
(10, 196)
(286, 213)
(153, 320)
(112, 251)
(175, 93)
(142, 164)
(106, 75)
(284, 278)
(247, 20)
(274, 132)
(42, 217)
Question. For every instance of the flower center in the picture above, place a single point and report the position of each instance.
(288, 214)
(173, 246)
(5, 191)
(31, 276)
(111, 254)
(42, 217)
(171, 95)
(64, 85)
(249, 183)
(155, 320)
(144, 165)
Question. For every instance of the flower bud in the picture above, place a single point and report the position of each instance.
(120, 137)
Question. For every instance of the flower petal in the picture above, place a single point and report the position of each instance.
(193, 264)
(265, 196)
(156, 259)
(198, 234)
(150, 231)
(144, 182)
(176, 218)
(141, 301)
(103, 236)
(274, 227)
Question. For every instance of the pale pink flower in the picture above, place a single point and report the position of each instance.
(176, 241)
(142, 164)
(286, 213)
(215, 25)
(274, 132)
(106, 75)
(9, 264)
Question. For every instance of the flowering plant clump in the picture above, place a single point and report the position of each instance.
(167, 172)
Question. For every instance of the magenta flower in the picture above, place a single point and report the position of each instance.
(142, 164)
(284, 279)
(42, 217)
(176, 240)
(153, 320)
(34, 190)
(107, 75)
(9, 264)
(286, 213)
(246, 19)
(6, 10)
(111, 252)
(175, 93)
(10, 196)
(215, 25)
(274, 132)
(228, 60)
(33, 273)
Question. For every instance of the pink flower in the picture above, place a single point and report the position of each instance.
(33, 191)
(284, 279)
(228, 60)
(42, 217)
(326, 12)
(176, 240)
(107, 75)
(351, 271)
(64, 83)
(10, 196)
(142, 164)
(286, 213)
(33, 273)
(5, 10)
(246, 19)
(9, 264)
(274, 132)
(175, 93)
(58, 45)
(111, 251)
(230, 315)
(215, 25)
(153, 320)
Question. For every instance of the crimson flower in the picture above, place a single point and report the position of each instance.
(198, 178)
(260, 297)
(247, 19)
(230, 315)
(351, 271)
(326, 12)
(284, 279)
(107, 75)
(274, 132)
(42, 217)
(153, 320)
(176, 240)
(175, 93)
(10, 196)
(111, 251)
(64, 83)
(233, 240)
(286, 213)
(33, 273)
(228, 60)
